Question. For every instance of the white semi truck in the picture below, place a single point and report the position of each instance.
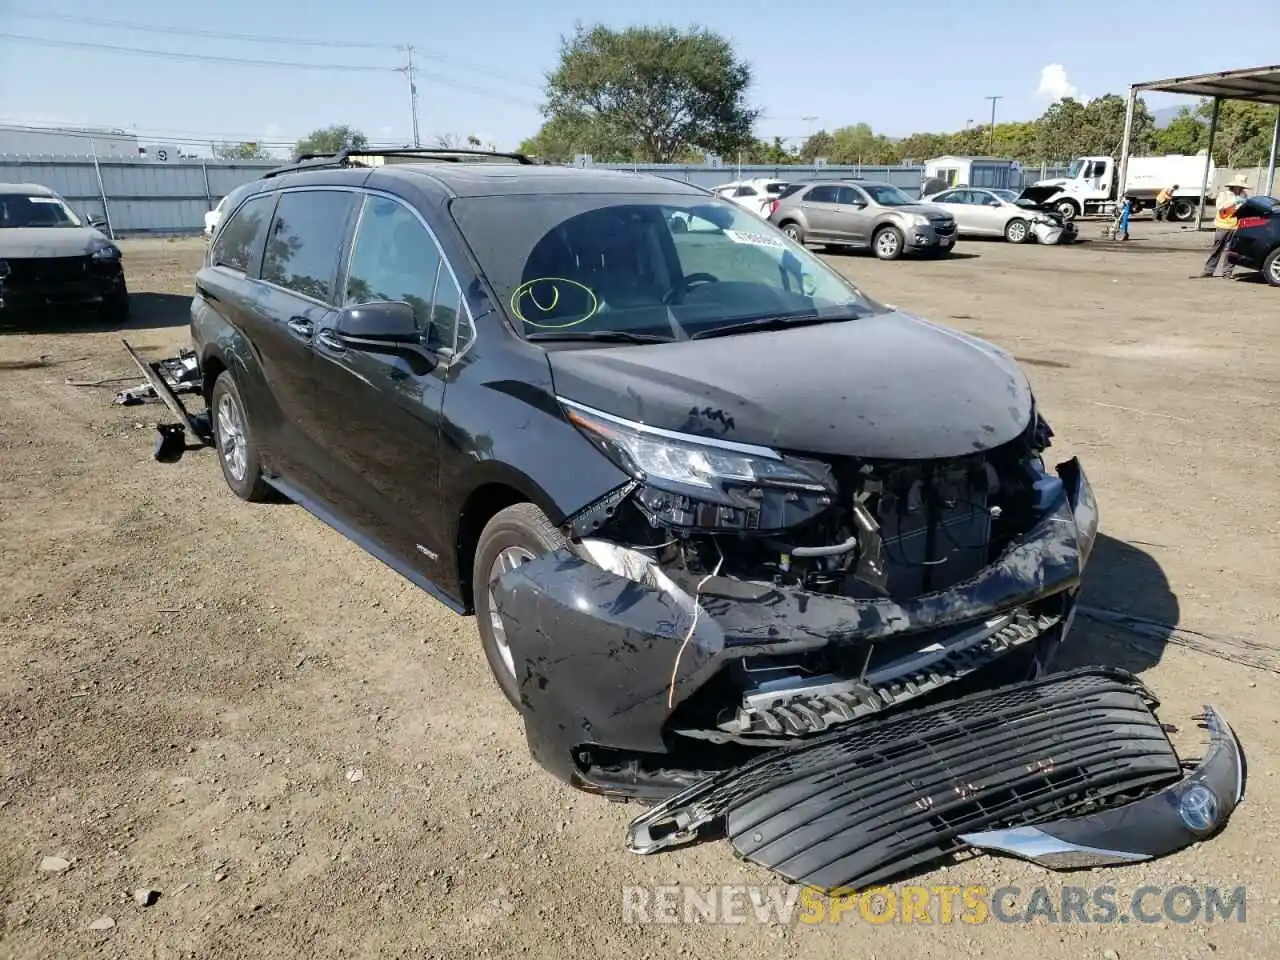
(1090, 187)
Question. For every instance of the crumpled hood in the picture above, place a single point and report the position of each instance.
(19, 242)
(887, 386)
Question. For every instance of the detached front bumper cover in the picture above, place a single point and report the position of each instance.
(1070, 770)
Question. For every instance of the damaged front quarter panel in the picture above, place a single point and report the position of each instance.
(606, 654)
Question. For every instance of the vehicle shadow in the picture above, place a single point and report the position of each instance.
(1122, 581)
(147, 311)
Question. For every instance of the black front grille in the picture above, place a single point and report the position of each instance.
(879, 799)
(944, 228)
(46, 269)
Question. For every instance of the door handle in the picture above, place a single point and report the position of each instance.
(301, 327)
(328, 339)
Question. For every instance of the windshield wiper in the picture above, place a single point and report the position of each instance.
(614, 336)
(776, 321)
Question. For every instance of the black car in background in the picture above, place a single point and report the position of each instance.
(1256, 245)
(702, 493)
(51, 259)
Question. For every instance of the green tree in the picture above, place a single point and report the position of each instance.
(563, 137)
(1186, 134)
(240, 151)
(653, 91)
(820, 145)
(1244, 132)
(331, 140)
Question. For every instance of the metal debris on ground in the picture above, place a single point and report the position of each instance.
(180, 373)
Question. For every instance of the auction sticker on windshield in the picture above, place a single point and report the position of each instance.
(755, 239)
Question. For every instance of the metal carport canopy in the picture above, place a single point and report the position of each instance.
(1256, 84)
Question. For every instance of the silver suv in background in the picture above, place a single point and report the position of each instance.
(861, 214)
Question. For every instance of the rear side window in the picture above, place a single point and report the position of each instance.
(823, 194)
(789, 189)
(776, 189)
(306, 236)
(241, 237)
(395, 258)
(745, 192)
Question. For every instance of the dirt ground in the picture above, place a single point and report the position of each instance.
(188, 684)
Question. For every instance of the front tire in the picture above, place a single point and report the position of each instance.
(1017, 231)
(1271, 268)
(238, 453)
(793, 230)
(1067, 210)
(888, 243)
(114, 310)
(1182, 210)
(513, 536)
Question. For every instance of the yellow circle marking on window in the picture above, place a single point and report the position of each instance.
(525, 291)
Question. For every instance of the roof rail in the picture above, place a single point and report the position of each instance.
(352, 157)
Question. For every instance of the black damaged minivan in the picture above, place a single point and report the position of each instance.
(703, 495)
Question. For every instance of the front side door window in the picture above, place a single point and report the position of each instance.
(395, 258)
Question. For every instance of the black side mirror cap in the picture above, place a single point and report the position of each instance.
(379, 322)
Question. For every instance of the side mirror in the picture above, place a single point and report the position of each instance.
(96, 221)
(382, 323)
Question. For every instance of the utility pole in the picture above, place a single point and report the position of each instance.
(991, 143)
(408, 71)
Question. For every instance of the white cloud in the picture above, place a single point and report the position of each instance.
(1054, 83)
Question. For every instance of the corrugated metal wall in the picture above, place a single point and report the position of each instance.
(173, 197)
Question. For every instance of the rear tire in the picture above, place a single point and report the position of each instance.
(1017, 230)
(1271, 268)
(1182, 210)
(888, 242)
(513, 536)
(233, 437)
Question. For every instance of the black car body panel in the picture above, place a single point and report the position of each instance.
(1081, 755)
(1257, 235)
(922, 391)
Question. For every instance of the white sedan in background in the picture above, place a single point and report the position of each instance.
(987, 212)
(755, 195)
(213, 219)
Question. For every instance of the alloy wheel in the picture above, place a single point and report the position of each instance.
(231, 439)
(503, 563)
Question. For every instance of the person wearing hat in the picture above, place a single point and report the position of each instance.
(1224, 226)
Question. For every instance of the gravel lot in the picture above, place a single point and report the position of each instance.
(188, 684)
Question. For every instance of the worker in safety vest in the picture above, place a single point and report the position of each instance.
(1224, 226)
(1164, 200)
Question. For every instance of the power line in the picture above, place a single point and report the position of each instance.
(206, 57)
(279, 64)
(193, 32)
(266, 38)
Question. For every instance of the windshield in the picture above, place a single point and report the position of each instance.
(1073, 171)
(649, 266)
(1009, 195)
(885, 195)
(25, 210)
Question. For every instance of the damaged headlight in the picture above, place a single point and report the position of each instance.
(703, 483)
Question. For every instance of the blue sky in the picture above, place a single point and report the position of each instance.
(900, 67)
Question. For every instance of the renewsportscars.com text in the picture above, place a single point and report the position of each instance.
(932, 905)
